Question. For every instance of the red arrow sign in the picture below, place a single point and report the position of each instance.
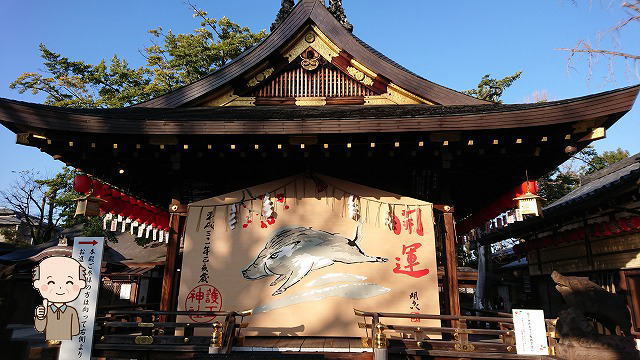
(92, 243)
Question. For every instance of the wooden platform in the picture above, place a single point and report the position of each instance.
(302, 345)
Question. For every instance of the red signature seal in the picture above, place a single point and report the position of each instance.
(203, 297)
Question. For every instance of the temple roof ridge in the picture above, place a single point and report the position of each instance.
(305, 13)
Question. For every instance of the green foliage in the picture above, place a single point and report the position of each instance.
(41, 203)
(172, 60)
(491, 89)
(557, 184)
(141, 241)
(12, 236)
(47, 205)
(599, 162)
(92, 227)
(60, 196)
(563, 180)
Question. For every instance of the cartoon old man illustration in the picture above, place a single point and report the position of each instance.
(59, 279)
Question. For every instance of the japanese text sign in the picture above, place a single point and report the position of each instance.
(530, 331)
(88, 252)
(302, 261)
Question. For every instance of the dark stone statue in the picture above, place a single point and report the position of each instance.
(579, 339)
(607, 308)
(285, 10)
(336, 9)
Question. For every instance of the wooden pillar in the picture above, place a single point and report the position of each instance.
(177, 213)
(450, 280)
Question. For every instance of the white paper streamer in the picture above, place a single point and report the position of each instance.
(233, 216)
(140, 230)
(353, 207)
(267, 206)
(388, 220)
(114, 225)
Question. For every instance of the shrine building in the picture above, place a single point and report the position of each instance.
(313, 134)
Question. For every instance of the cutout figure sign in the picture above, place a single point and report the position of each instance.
(59, 279)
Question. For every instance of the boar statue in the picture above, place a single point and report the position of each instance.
(292, 253)
(587, 302)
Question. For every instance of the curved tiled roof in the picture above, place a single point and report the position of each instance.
(624, 170)
(306, 12)
(314, 119)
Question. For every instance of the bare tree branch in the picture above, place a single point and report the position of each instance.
(604, 52)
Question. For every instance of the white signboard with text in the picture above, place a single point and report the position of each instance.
(88, 252)
(531, 332)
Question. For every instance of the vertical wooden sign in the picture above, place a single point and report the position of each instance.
(88, 252)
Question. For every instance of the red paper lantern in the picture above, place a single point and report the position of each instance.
(138, 214)
(97, 187)
(105, 191)
(117, 206)
(82, 184)
(146, 217)
(127, 209)
(115, 193)
(108, 204)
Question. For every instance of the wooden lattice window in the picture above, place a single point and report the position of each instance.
(326, 81)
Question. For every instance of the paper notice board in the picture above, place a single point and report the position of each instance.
(530, 331)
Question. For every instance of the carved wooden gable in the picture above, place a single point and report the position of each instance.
(312, 70)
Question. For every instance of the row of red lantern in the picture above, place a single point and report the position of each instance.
(501, 205)
(615, 227)
(119, 203)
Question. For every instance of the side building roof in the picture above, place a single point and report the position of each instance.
(611, 176)
(595, 189)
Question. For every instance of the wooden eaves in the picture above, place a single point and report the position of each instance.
(29, 117)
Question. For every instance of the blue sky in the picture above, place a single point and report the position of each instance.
(451, 43)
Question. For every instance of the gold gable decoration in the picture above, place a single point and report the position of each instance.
(325, 81)
(318, 73)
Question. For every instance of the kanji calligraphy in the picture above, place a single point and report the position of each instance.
(203, 298)
(410, 262)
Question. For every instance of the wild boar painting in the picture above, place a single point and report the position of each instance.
(293, 251)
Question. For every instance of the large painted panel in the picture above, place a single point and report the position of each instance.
(303, 252)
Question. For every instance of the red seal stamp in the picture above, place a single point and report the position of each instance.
(203, 297)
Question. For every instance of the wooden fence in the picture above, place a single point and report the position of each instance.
(468, 337)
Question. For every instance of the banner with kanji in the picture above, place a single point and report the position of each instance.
(303, 252)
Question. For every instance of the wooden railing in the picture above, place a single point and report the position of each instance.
(130, 332)
(456, 339)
